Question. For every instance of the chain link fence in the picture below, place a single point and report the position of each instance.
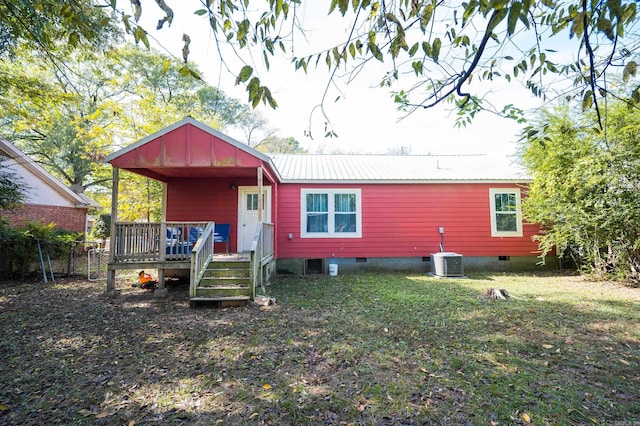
(97, 262)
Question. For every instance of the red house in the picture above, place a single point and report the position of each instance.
(302, 213)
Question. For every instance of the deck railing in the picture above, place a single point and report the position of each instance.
(200, 257)
(155, 241)
(262, 252)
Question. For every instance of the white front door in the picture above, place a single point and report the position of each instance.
(248, 213)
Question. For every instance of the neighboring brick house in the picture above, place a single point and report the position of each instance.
(47, 200)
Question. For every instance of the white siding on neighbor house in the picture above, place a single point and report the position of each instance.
(37, 191)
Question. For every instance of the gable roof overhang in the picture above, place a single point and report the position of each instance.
(191, 149)
(78, 200)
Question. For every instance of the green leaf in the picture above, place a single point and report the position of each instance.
(426, 48)
(266, 59)
(587, 100)
(200, 12)
(604, 25)
(425, 16)
(352, 50)
(417, 67)
(184, 71)
(343, 5)
(141, 35)
(74, 39)
(514, 14)
(244, 75)
(336, 56)
(577, 25)
(413, 49)
(629, 70)
(435, 49)
(266, 96)
(243, 30)
(498, 4)
(496, 18)
(375, 51)
(332, 6)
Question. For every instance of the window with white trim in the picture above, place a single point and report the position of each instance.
(506, 217)
(330, 213)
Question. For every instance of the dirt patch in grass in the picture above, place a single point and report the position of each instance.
(364, 349)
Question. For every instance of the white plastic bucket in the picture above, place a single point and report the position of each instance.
(333, 269)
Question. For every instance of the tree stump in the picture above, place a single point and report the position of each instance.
(498, 293)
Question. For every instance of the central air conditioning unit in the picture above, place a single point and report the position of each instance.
(447, 264)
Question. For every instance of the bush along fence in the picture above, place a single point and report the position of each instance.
(40, 251)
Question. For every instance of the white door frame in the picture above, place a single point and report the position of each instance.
(266, 213)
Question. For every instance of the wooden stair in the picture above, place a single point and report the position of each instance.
(228, 283)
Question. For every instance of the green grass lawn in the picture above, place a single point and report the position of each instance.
(353, 349)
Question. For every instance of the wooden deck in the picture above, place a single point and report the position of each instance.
(190, 246)
(175, 263)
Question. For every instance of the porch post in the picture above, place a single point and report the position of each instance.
(161, 291)
(260, 194)
(111, 273)
(163, 222)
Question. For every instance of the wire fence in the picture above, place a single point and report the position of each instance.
(97, 262)
(80, 259)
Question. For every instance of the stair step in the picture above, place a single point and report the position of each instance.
(225, 280)
(225, 287)
(229, 265)
(221, 298)
(214, 292)
(215, 273)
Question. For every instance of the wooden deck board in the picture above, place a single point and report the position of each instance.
(176, 264)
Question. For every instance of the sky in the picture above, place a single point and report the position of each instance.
(365, 118)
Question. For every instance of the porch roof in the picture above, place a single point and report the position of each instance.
(190, 149)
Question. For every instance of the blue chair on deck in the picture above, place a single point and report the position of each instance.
(221, 234)
(194, 233)
(174, 244)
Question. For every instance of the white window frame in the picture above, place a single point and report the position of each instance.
(331, 213)
(492, 203)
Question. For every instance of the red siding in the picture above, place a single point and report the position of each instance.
(186, 146)
(403, 220)
(67, 218)
(206, 200)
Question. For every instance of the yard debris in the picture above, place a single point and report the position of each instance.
(498, 294)
(264, 300)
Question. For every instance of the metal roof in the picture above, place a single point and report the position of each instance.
(318, 168)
